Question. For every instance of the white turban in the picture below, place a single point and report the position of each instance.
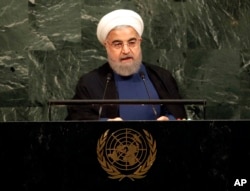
(117, 18)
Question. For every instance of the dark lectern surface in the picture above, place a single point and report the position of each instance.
(68, 156)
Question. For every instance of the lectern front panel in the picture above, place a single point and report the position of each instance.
(133, 155)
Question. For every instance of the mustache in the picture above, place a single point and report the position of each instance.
(126, 57)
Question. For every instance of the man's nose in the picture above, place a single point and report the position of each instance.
(125, 48)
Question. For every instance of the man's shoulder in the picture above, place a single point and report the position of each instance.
(155, 68)
(100, 71)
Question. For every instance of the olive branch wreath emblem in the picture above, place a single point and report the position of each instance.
(116, 174)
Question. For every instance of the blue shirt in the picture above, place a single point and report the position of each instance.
(133, 87)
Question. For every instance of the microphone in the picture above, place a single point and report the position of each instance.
(142, 75)
(109, 75)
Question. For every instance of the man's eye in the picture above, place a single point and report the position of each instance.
(117, 44)
(131, 43)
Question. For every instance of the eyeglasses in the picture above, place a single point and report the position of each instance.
(119, 44)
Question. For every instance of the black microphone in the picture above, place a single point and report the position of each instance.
(142, 75)
(109, 75)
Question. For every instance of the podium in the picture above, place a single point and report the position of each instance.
(132, 155)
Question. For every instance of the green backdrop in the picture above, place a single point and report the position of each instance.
(47, 45)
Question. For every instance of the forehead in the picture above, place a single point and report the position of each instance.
(122, 33)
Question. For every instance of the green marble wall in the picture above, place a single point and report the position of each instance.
(47, 45)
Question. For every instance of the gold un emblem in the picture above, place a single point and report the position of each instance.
(126, 153)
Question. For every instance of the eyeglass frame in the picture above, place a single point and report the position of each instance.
(121, 44)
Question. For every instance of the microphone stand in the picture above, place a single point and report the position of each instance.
(104, 93)
(142, 75)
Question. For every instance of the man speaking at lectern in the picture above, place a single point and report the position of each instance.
(125, 76)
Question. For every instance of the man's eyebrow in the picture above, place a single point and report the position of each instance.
(133, 38)
(116, 41)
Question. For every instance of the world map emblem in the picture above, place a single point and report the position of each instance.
(126, 153)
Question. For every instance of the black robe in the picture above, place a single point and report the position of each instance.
(92, 85)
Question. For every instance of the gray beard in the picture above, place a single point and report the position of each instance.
(125, 70)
